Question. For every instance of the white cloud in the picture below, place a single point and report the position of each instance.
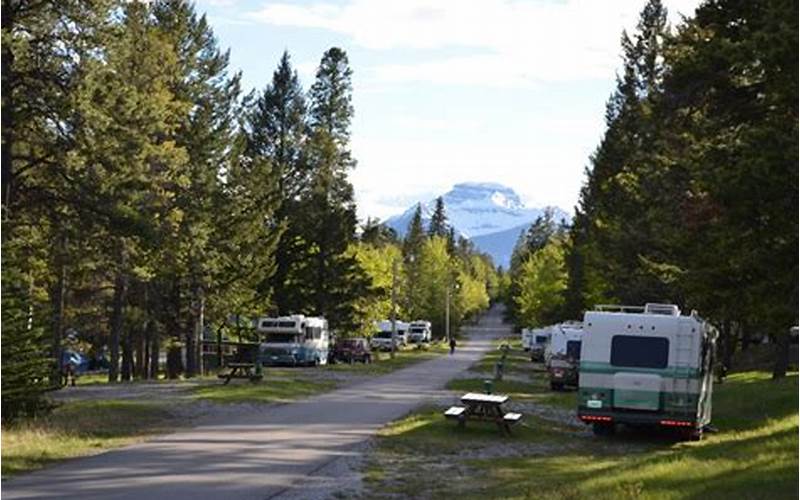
(513, 43)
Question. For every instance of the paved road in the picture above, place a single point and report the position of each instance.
(259, 456)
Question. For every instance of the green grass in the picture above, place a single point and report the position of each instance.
(383, 363)
(517, 360)
(537, 390)
(76, 429)
(755, 454)
(273, 389)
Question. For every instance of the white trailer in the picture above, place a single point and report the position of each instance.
(382, 338)
(293, 340)
(646, 366)
(419, 332)
(562, 354)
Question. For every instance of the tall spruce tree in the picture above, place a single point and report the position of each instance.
(438, 225)
(329, 223)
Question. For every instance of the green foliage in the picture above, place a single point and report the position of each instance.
(702, 129)
(541, 281)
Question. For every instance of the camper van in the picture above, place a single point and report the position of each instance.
(382, 338)
(540, 339)
(563, 353)
(293, 340)
(646, 366)
(419, 332)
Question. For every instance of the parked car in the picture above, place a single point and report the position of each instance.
(351, 350)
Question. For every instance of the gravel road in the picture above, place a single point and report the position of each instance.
(289, 451)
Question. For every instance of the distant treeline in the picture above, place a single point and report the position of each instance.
(692, 195)
(146, 200)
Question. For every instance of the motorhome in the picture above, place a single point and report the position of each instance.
(293, 340)
(563, 353)
(646, 366)
(382, 338)
(540, 339)
(419, 332)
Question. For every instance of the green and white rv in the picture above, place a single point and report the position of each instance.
(646, 366)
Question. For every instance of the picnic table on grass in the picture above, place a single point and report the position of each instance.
(241, 370)
(486, 408)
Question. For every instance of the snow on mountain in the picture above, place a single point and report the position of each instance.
(490, 214)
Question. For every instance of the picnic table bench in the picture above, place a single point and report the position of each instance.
(241, 370)
(483, 407)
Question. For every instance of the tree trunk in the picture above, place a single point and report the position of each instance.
(781, 355)
(201, 325)
(174, 363)
(120, 289)
(58, 303)
(127, 356)
(154, 355)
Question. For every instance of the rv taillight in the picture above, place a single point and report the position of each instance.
(676, 423)
(595, 418)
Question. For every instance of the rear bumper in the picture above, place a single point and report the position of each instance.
(672, 420)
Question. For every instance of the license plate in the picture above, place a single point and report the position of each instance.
(274, 357)
(593, 403)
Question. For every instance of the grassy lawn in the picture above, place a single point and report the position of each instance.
(755, 454)
(79, 428)
(273, 389)
(517, 360)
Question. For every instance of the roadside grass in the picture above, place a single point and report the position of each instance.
(79, 428)
(272, 389)
(754, 455)
(537, 390)
(517, 360)
(382, 362)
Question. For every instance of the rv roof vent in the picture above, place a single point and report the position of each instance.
(663, 309)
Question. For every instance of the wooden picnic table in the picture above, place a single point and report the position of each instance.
(486, 408)
(241, 370)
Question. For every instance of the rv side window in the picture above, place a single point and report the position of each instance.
(541, 339)
(313, 332)
(639, 352)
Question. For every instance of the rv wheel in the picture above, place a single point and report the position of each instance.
(602, 429)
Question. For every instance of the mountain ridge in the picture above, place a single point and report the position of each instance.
(488, 213)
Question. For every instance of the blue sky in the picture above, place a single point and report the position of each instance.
(451, 90)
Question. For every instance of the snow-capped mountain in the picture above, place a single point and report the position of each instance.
(490, 214)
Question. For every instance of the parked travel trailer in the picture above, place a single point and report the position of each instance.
(540, 339)
(382, 338)
(293, 340)
(562, 355)
(646, 366)
(527, 339)
(419, 332)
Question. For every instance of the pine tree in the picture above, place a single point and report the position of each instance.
(329, 219)
(438, 225)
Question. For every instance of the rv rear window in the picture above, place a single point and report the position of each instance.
(639, 352)
(574, 349)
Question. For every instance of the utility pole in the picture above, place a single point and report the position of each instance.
(394, 313)
(447, 313)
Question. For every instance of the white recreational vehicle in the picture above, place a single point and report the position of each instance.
(419, 332)
(646, 366)
(527, 339)
(562, 354)
(539, 340)
(293, 340)
(382, 338)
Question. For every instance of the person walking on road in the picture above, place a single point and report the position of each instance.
(452, 345)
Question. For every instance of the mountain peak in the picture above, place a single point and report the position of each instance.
(481, 209)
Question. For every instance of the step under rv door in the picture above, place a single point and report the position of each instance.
(637, 391)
